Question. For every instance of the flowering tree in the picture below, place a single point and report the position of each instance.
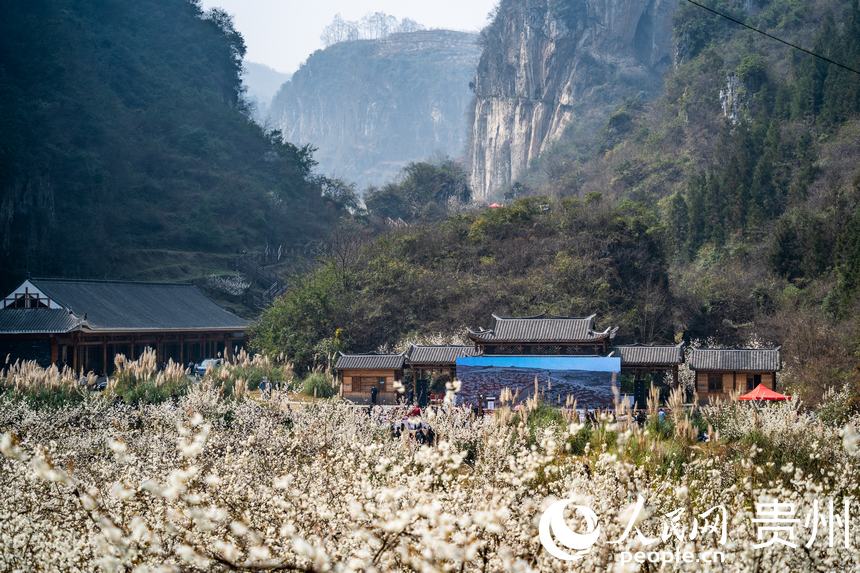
(228, 483)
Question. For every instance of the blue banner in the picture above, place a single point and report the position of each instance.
(588, 379)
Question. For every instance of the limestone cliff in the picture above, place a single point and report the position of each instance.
(261, 84)
(372, 106)
(548, 63)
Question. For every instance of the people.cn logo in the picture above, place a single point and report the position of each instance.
(555, 532)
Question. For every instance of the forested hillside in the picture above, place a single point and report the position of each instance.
(572, 257)
(126, 150)
(753, 146)
(725, 208)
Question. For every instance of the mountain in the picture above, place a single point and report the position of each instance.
(723, 208)
(127, 151)
(372, 106)
(262, 83)
(549, 64)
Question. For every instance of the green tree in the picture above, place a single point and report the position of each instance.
(310, 312)
(423, 192)
(785, 253)
(679, 226)
(840, 97)
(341, 193)
(811, 74)
(764, 197)
(848, 260)
(699, 232)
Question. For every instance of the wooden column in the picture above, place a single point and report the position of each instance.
(54, 350)
(104, 356)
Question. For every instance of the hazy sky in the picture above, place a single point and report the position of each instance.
(282, 33)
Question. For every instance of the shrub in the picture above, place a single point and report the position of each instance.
(42, 387)
(540, 417)
(252, 369)
(836, 406)
(139, 381)
(319, 384)
(148, 392)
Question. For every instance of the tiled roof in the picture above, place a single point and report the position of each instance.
(642, 355)
(370, 362)
(438, 354)
(542, 328)
(120, 305)
(739, 359)
(37, 321)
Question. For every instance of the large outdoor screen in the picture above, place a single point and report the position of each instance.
(589, 379)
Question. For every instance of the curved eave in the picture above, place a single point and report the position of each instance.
(97, 330)
(724, 370)
(35, 332)
(601, 338)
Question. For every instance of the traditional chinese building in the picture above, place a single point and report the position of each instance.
(360, 373)
(429, 367)
(84, 323)
(536, 347)
(644, 365)
(721, 371)
(436, 362)
(543, 334)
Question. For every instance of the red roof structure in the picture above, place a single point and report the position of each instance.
(763, 393)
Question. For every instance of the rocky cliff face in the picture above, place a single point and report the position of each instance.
(548, 63)
(372, 106)
(261, 83)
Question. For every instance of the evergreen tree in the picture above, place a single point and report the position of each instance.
(764, 197)
(785, 252)
(805, 170)
(810, 74)
(848, 261)
(698, 232)
(841, 88)
(679, 226)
